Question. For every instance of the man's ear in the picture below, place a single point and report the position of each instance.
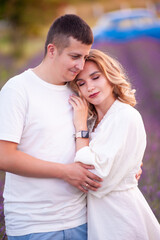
(51, 49)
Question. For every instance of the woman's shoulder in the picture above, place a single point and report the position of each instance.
(125, 110)
(121, 114)
(127, 116)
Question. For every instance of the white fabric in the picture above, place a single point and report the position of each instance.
(118, 210)
(37, 116)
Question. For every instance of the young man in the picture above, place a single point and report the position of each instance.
(44, 195)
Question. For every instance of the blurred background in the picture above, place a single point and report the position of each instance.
(128, 30)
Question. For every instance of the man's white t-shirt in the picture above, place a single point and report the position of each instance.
(36, 115)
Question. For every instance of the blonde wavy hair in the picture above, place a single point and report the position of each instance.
(115, 74)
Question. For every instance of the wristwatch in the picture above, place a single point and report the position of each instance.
(82, 134)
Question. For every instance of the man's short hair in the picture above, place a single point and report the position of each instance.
(66, 26)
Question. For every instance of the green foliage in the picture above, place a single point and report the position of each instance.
(25, 19)
(27, 15)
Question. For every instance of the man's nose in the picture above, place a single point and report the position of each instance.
(80, 64)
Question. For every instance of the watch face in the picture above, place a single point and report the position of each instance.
(85, 134)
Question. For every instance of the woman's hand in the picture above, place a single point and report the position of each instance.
(80, 108)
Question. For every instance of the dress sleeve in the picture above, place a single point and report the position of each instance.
(117, 148)
(12, 114)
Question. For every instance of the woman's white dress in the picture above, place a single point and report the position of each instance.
(118, 210)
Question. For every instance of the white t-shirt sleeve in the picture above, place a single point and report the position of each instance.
(117, 148)
(12, 114)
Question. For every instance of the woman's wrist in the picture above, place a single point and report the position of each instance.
(81, 128)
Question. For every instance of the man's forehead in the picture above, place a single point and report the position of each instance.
(77, 47)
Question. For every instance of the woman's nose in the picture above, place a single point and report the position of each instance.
(90, 88)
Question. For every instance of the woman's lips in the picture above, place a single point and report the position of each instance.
(94, 95)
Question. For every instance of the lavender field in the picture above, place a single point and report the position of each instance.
(141, 59)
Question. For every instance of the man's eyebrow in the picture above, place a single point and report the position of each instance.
(79, 79)
(74, 53)
(78, 54)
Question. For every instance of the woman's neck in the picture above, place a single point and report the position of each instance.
(102, 109)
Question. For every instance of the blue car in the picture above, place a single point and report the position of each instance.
(127, 24)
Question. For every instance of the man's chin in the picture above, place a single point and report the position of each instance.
(70, 80)
(74, 74)
(71, 77)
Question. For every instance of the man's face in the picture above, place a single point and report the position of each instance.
(70, 61)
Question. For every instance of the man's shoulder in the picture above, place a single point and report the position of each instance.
(17, 79)
(17, 83)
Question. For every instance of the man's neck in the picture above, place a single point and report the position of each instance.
(43, 72)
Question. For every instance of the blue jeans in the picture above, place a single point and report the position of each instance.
(77, 233)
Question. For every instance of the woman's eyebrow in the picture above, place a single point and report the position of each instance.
(78, 79)
(94, 73)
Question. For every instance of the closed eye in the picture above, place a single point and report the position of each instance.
(94, 78)
(79, 83)
(75, 56)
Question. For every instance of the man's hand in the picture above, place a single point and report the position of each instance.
(138, 175)
(77, 175)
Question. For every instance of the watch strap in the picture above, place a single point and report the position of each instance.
(82, 134)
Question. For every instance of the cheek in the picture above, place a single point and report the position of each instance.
(108, 87)
(64, 63)
(82, 93)
(109, 91)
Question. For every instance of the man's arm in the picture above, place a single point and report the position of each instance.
(138, 175)
(20, 163)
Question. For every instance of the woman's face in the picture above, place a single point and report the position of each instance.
(94, 86)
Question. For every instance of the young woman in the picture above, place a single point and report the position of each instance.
(115, 146)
